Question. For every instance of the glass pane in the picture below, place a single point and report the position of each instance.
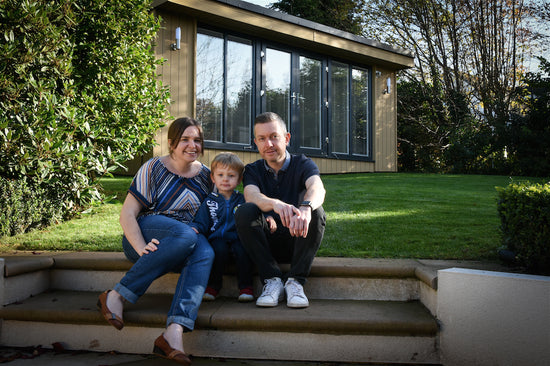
(277, 91)
(339, 96)
(239, 91)
(309, 101)
(360, 112)
(210, 84)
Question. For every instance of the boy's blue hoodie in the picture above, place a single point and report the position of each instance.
(215, 218)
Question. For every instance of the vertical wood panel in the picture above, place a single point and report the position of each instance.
(177, 72)
(385, 123)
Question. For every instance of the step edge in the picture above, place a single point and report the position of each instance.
(209, 319)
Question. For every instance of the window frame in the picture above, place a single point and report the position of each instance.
(258, 101)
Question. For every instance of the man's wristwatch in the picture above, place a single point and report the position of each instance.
(307, 203)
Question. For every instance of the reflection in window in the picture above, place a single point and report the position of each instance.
(277, 93)
(229, 81)
(239, 90)
(360, 112)
(210, 84)
(235, 89)
(339, 96)
(309, 102)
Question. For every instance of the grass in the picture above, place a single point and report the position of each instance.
(393, 215)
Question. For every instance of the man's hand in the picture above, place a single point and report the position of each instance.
(299, 224)
(285, 211)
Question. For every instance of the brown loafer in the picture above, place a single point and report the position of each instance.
(163, 349)
(111, 317)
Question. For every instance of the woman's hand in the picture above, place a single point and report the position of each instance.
(149, 247)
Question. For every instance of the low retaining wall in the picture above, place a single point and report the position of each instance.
(493, 318)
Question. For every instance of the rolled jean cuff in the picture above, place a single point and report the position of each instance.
(187, 324)
(125, 293)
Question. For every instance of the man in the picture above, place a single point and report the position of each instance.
(289, 189)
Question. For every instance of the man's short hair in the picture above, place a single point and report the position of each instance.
(267, 117)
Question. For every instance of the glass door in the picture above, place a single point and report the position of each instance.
(292, 87)
(307, 102)
(276, 92)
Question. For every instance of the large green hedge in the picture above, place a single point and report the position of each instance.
(524, 211)
(25, 207)
(79, 93)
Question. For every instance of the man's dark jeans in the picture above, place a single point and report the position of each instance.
(267, 250)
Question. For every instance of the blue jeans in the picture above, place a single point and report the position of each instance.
(180, 250)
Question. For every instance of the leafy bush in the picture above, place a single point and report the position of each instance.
(79, 94)
(524, 211)
(25, 207)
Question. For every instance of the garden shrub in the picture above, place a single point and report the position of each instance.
(25, 207)
(79, 93)
(524, 211)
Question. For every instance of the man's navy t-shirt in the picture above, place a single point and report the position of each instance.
(290, 184)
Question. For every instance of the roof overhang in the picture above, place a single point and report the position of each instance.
(247, 18)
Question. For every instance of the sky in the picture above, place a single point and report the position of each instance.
(261, 2)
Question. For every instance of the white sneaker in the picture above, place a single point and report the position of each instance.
(272, 292)
(295, 297)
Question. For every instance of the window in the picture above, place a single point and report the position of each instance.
(326, 103)
(209, 86)
(239, 90)
(309, 102)
(360, 112)
(339, 109)
(277, 82)
(224, 104)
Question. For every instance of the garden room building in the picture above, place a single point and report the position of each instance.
(228, 61)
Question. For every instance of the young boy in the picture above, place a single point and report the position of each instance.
(215, 220)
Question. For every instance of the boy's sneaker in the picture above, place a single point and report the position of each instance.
(272, 292)
(209, 294)
(246, 295)
(295, 297)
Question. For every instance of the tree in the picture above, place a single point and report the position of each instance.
(339, 14)
(79, 94)
(468, 60)
(530, 129)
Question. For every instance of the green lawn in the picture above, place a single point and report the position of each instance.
(393, 215)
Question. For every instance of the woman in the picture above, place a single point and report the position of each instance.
(163, 198)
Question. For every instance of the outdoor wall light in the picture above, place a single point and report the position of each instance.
(388, 86)
(176, 46)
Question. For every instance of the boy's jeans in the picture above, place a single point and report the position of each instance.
(180, 250)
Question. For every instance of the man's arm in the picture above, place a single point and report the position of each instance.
(284, 210)
(295, 219)
(315, 193)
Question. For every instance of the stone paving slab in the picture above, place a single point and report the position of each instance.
(35, 356)
(323, 316)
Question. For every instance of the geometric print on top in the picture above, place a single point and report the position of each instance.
(162, 192)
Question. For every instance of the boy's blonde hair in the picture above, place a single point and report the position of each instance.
(229, 160)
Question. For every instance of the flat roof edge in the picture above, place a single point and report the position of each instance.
(304, 23)
(316, 26)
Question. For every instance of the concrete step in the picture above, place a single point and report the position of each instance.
(330, 278)
(328, 330)
(361, 310)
